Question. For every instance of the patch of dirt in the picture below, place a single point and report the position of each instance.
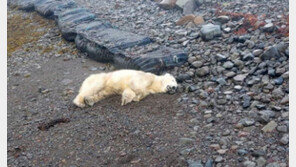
(22, 30)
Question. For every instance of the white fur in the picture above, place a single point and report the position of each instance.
(131, 84)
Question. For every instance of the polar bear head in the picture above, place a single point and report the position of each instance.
(169, 83)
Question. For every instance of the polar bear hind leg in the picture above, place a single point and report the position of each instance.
(89, 91)
(127, 96)
(140, 96)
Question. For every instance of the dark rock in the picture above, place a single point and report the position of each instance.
(183, 77)
(246, 101)
(197, 64)
(191, 59)
(270, 52)
(261, 161)
(192, 163)
(249, 164)
(221, 81)
(269, 113)
(279, 81)
(228, 65)
(210, 31)
(190, 6)
(247, 122)
(258, 153)
(247, 56)
(260, 46)
(210, 120)
(242, 152)
(167, 4)
(192, 88)
(285, 139)
(282, 128)
(209, 163)
(273, 164)
(203, 71)
(271, 72)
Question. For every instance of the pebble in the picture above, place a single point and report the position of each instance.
(247, 56)
(285, 100)
(222, 19)
(230, 74)
(268, 27)
(191, 59)
(227, 29)
(183, 77)
(222, 151)
(238, 87)
(242, 152)
(265, 115)
(279, 81)
(192, 163)
(270, 52)
(209, 163)
(282, 128)
(246, 101)
(269, 127)
(228, 65)
(258, 153)
(249, 164)
(286, 75)
(273, 164)
(226, 132)
(181, 32)
(240, 77)
(221, 81)
(261, 162)
(247, 121)
(221, 57)
(27, 75)
(285, 139)
(186, 140)
(197, 64)
(203, 71)
(218, 159)
(66, 81)
(93, 69)
(210, 31)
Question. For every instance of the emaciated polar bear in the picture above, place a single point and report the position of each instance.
(133, 85)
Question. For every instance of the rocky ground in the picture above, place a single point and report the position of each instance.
(232, 109)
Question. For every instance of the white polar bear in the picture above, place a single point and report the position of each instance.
(133, 85)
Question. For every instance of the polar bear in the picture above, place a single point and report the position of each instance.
(133, 85)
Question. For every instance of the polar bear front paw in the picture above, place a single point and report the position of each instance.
(89, 100)
(79, 102)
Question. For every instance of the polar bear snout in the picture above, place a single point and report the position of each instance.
(172, 89)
